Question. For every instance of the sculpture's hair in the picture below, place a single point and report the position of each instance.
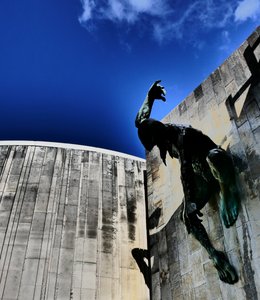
(152, 132)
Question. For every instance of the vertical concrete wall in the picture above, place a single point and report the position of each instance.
(68, 222)
(226, 106)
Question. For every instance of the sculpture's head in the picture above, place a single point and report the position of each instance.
(151, 133)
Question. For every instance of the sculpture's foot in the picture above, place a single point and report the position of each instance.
(226, 272)
(229, 205)
(139, 255)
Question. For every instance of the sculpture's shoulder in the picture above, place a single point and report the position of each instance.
(182, 129)
(191, 135)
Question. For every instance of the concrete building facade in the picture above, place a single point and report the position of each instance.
(69, 218)
(226, 107)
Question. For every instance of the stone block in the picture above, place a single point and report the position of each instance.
(246, 135)
(257, 52)
(34, 248)
(156, 290)
(38, 223)
(71, 212)
(175, 273)
(27, 292)
(58, 236)
(76, 160)
(239, 74)
(74, 179)
(162, 244)
(212, 281)
(231, 88)
(42, 202)
(105, 288)
(30, 193)
(38, 157)
(225, 74)
(194, 245)
(63, 287)
(75, 294)
(65, 262)
(41, 274)
(90, 250)
(11, 288)
(16, 167)
(253, 38)
(35, 174)
(79, 250)
(7, 201)
(73, 195)
(22, 234)
(45, 184)
(198, 93)
(198, 275)
(187, 282)
(166, 289)
(201, 292)
(106, 265)
(12, 183)
(89, 279)
(77, 275)
(26, 214)
(30, 271)
(177, 291)
(89, 294)
(51, 290)
(230, 239)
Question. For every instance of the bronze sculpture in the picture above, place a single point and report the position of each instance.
(205, 170)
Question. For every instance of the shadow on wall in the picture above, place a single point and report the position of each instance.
(244, 109)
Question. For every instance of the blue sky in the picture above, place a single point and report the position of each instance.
(77, 71)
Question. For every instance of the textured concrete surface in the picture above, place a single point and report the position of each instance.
(226, 106)
(69, 219)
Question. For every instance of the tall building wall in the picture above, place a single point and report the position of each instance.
(226, 107)
(69, 219)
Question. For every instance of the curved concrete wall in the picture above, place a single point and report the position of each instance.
(69, 217)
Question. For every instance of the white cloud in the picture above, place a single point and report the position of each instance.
(168, 19)
(121, 10)
(225, 41)
(200, 15)
(247, 9)
(117, 10)
(88, 6)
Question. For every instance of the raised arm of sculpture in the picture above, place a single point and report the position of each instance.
(156, 91)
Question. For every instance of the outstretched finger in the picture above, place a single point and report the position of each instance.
(156, 82)
(163, 98)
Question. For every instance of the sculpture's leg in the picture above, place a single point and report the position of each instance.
(222, 168)
(226, 271)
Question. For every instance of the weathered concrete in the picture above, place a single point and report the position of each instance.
(226, 106)
(69, 219)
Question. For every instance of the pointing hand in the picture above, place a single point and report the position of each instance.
(157, 91)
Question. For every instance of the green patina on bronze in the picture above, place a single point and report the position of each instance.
(206, 170)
